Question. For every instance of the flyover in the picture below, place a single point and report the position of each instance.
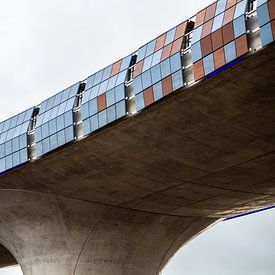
(124, 199)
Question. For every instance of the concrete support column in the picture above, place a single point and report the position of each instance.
(53, 235)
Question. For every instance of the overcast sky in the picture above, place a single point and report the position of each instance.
(47, 45)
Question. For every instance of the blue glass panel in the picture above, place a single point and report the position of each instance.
(221, 4)
(147, 63)
(58, 99)
(120, 109)
(263, 15)
(196, 52)
(170, 36)
(240, 9)
(93, 106)
(8, 147)
(9, 163)
(70, 104)
(23, 155)
(65, 95)
(137, 84)
(86, 127)
(94, 122)
(15, 144)
(39, 149)
(68, 118)
(112, 82)
(46, 145)
(141, 53)
(85, 113)
(146, 79)
(13, 121)
(102, 118)
(157, 90)
(74, 89)
(266, 34)
(196, 35)
(155, 73)
(16, 158)
(86, 96)
(53, 142)
(60, 124)
(125, 63)
(69, 133)
(23, 141)
(52, 126)
(98, 77)
(239, 26)
(90, 82)
(175, 62)
(150, 48)
(119, 93)
(217, 22)
(139, 101)
(45, 130)
(2, 165)
(107, 72)
(208, 64)
(6, 125)
(156, 57)
(230, 52)
(61, 138)
(121, 77)
(94, 92)
(111, 114)
(110, 97)
(50, 102)
(165, 68)
(260, 2)
(177, 80)
(38, 134)
(102, 87)
(62, 108)
(2, 150)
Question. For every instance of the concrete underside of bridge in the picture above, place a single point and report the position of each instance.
(125, 199)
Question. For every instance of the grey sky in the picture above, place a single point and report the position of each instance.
(47, 45)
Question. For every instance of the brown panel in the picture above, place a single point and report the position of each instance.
(271, 8)
(166, 51)
(241, 45)
(180, 30)
(166, 84)
(219, 58)
(198, 70)
(273, 28)
(160, 42)
(200, 18)
(217, 41)
(138, 68)
(206, 46)
(228, 15)
(101, 102)
(148, 96)
(177, 46)
(116, 67)
(206, 29)
(227, 33)
(210, 12)
(230, 3)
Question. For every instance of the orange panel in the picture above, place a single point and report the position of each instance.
(217, 41)
(228, 15)
(167, 85)
(219, 58)
(148, 96)
(138, 68)
(101, 102)
(160, 42)
(271, 8)
(227, 33)
(198, 70)
(116, 67)
(166, 51)
(200, 18)
(206, 46)
(177, 46)
(273, 28)
(230, 3)
(180, 30)
(210, 12)
(241, 45)
(206, 29)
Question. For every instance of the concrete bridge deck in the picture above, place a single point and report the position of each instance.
(125, 199)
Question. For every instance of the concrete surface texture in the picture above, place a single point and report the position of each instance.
(125, 199)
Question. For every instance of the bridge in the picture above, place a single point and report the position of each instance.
(115, 173)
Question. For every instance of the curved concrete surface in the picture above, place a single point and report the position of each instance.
(123, 200)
